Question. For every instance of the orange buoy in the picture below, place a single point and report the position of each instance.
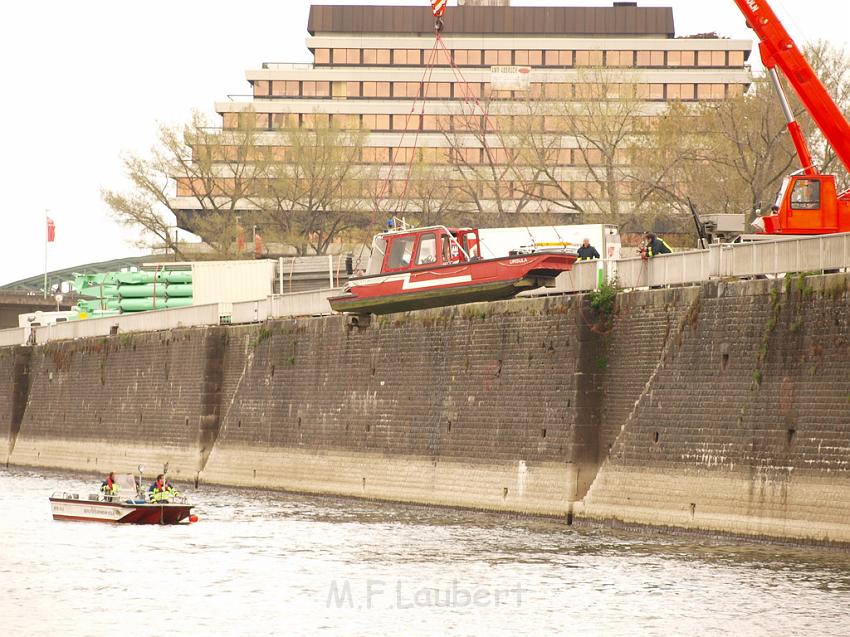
(193, 518)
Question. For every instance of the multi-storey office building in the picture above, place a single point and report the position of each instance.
(369, 63)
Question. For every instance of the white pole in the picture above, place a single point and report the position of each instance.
(331, 270)
(280, 275)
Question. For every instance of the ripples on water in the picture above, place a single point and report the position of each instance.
(272, 563)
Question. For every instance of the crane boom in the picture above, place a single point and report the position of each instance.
(778, 50)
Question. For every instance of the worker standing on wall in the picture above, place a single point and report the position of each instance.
(587, 252)
(655, 245)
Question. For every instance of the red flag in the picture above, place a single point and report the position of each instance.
(258, 245)
(51, 230)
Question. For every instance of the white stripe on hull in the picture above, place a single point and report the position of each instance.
(88, 511)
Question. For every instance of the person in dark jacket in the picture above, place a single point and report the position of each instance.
(587, 251)
(656, 245)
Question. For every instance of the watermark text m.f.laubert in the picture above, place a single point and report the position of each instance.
(376, 593)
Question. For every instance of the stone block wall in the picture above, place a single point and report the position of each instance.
(720, 408)
(471, 406)
(746, 426)
(112, 403)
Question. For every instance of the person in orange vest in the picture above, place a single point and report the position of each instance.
(109, 486)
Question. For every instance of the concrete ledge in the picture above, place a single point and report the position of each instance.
(516, 487)
(104, 457)
(789, 509)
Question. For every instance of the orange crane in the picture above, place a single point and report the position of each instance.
(808, 202)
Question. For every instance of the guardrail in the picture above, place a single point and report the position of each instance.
(773, 257)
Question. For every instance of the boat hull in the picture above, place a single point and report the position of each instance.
(118, 512)
(423, 288)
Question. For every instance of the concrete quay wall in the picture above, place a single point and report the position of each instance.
(721, 408)
(744, 426)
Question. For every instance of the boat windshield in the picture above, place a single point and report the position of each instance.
(376, 259)
(401, 250)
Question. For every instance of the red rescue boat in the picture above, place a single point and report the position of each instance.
(129, 504)
(69, 506)
(414, 269)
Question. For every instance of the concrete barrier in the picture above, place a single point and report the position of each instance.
(140, 322)
(313, 303)
(11, 337)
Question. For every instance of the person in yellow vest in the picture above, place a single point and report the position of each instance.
(161, 490)
(655, 245)
(109, 487)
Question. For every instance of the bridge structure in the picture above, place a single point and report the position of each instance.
(28, 295)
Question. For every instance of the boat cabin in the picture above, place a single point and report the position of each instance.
(423, 248)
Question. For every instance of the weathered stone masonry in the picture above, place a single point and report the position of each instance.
(721, 408)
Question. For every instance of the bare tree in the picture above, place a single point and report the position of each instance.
(832, 66)
(729, 155)
(423, 195)
(217, 170)
(314, 194)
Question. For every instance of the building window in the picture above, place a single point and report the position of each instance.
(736, 58)
(285, 120)
(322, 56)
(674, 91)
(680, 58)
(704, 58)
(588, 58)
(650, 58)
(620, 58)
(261, 88)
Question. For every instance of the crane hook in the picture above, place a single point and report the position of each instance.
(438, 8)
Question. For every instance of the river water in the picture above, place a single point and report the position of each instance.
(262, 563)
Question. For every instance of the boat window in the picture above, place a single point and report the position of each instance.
(806, 195)
(401, 249)
(427, 249)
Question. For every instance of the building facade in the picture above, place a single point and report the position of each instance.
(452, 103)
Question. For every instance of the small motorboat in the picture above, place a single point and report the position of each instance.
(133, 508)
(435, 266)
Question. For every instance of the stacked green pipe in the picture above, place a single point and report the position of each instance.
(113, 292)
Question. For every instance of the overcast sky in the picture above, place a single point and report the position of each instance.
(83, 81)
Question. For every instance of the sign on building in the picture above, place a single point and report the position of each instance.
(510, 78)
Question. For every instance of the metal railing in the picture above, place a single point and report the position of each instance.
(774, 257)
(289, 66)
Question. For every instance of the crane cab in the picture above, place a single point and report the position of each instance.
(808, 204)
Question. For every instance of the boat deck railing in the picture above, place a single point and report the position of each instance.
(774, 257)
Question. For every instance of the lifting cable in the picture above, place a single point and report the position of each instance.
(438, 8)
